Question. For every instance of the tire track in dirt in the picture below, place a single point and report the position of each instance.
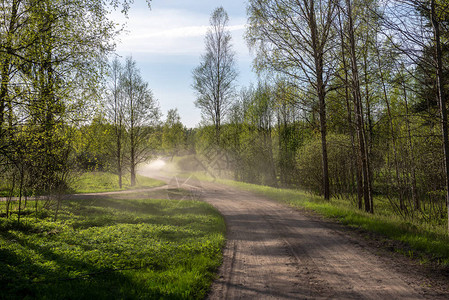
(276, 252)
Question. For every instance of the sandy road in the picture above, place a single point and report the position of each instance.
(275, 252)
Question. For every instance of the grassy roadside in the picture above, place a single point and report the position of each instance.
(420, 241)
(97, 182)
(112, 249)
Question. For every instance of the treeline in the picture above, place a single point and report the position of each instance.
(353, 104)
(270, 139)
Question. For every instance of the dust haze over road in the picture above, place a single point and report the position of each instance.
(276, 252)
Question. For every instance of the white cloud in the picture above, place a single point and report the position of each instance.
(169, 32)
(183, 32)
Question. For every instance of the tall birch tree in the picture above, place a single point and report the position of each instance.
(141, 111)
(213, 79)
(295, 38)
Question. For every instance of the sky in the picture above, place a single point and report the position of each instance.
(167, 41)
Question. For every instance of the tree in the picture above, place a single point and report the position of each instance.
(363, 153)
(173, 133)
(260, 118)
(418, 31)
(289, 131)
(116, 113)
(140, 112)
(440, 82)
(214, 77)
(294, 38)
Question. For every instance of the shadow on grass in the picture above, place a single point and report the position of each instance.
(22, 277)
(37, 260)
(96, 206)
(103, 212)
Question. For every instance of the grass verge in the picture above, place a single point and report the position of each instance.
(97, 182)
(422, 241)
(113, 249)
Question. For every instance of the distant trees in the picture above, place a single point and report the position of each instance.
(259, 139)
(173, 133)
(213, 79)
(259, 118)
(248, 137)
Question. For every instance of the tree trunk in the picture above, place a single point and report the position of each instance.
(133, 164)
(118, 135)
(358, 107)
(369, 141)
(321, 93)
(442, 101)
(20, 192)
(356, 163)
(132, 141)
(323, 130)
(217, 127)
(269, 143)
(4, 88)
(119, 162)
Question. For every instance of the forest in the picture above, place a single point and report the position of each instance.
(350, 103)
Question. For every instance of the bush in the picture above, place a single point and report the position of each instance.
(341, 164)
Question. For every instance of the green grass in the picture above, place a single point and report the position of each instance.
(419, 240)
(95, 182)
(113, 249)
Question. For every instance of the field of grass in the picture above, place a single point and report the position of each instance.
(419, 240)
(95, 182)
(111, 248)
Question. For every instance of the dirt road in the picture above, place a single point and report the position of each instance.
(275, 252)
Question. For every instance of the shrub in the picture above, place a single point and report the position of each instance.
(341, 164)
